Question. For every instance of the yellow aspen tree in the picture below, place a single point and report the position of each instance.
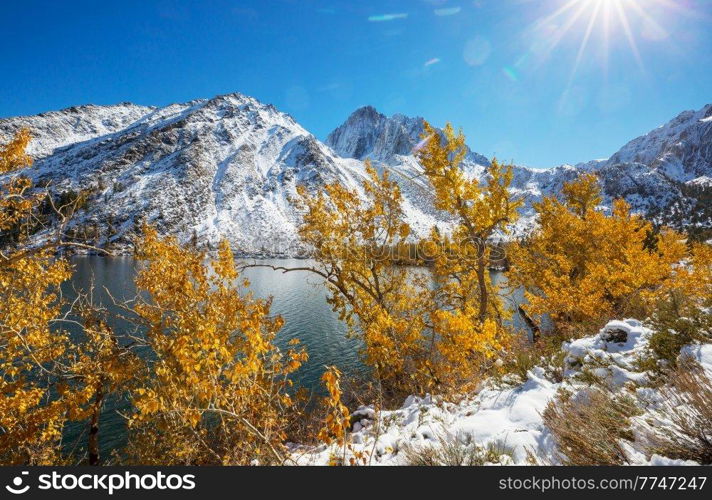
(214, 388)
(49, 377)
(352, 239)
(582, 267)
(100, 364)
(693, 279)
(470, 314)
(336, 422)
(31, 416)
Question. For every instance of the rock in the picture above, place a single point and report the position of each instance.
(616, 335)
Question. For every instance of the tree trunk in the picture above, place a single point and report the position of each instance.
(482, 269)
(93, 445)
(536, 331)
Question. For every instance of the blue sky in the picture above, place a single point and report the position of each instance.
(513, 74)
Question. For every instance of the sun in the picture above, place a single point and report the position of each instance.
(603, 18)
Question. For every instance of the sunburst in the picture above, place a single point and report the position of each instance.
(601, 18)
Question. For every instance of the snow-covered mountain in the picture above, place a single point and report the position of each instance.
(681, 150)
(228, 166)
(368, 134)
(664, 174)
(210, 168)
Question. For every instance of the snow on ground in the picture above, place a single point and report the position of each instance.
(610, 355)
(509, 418)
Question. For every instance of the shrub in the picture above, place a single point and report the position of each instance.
(582, 267)
(588, 427)
(215, 388)
(687, 413)
(453, 451)
(546, 352)
(675, 327)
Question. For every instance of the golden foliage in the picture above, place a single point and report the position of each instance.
(693, 279)
(381, 303)
(214, 387)
(31, 416)
(420, 329)
(469, 319)
(336, 422)
(13, 155)
(582, 267)
(49, 378)
(16, 204)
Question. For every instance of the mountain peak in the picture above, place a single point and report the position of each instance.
(681, 149)
(366, 112)
(367, 133)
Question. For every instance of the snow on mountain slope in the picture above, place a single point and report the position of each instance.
(223, 167)
(658, 173)
(56, 129)
(228, 166)
(681, 149)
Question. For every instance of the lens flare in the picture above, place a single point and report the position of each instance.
(510, 73)
(421, 144)
(386, 17)
(449, 11)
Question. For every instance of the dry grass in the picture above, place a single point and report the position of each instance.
(451, 451)
(688, 408)
(588, 429)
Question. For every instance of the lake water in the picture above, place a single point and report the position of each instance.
(299, 297)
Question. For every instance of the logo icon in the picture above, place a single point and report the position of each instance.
(18, 489)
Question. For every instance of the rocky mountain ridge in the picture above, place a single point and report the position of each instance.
(228, 166)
